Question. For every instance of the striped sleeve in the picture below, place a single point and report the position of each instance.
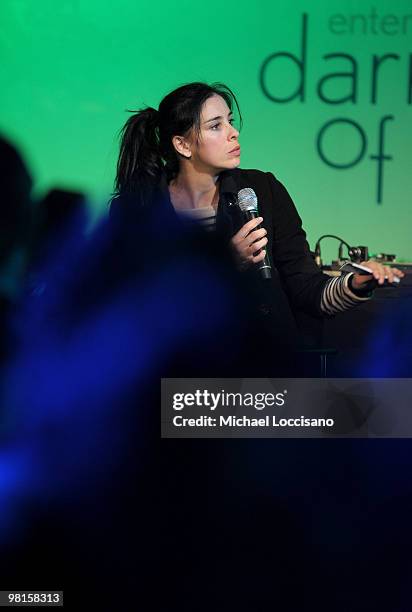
(337, 295)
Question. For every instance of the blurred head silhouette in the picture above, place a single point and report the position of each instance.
(15, 211)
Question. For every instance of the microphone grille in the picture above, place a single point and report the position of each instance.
(247, 200)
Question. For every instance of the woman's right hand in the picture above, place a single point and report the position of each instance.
(248, 243)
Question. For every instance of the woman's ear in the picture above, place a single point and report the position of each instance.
(182, 146)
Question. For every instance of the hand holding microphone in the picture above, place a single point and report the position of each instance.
(250, 240)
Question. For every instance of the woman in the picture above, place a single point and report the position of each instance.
(189, 152)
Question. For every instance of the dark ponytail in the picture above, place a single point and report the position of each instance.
(139, 151)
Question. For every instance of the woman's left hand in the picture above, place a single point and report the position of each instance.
(380, 274)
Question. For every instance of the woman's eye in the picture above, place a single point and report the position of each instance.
(213, 127)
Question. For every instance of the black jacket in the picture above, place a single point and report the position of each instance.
(292, 264)
(296, 283)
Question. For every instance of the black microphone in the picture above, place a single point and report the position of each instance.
(248, 204)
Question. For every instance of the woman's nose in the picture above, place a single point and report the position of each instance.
(234, 133)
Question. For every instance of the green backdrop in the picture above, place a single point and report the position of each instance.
(69, 69)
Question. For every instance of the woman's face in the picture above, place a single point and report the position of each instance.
(217, 147)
